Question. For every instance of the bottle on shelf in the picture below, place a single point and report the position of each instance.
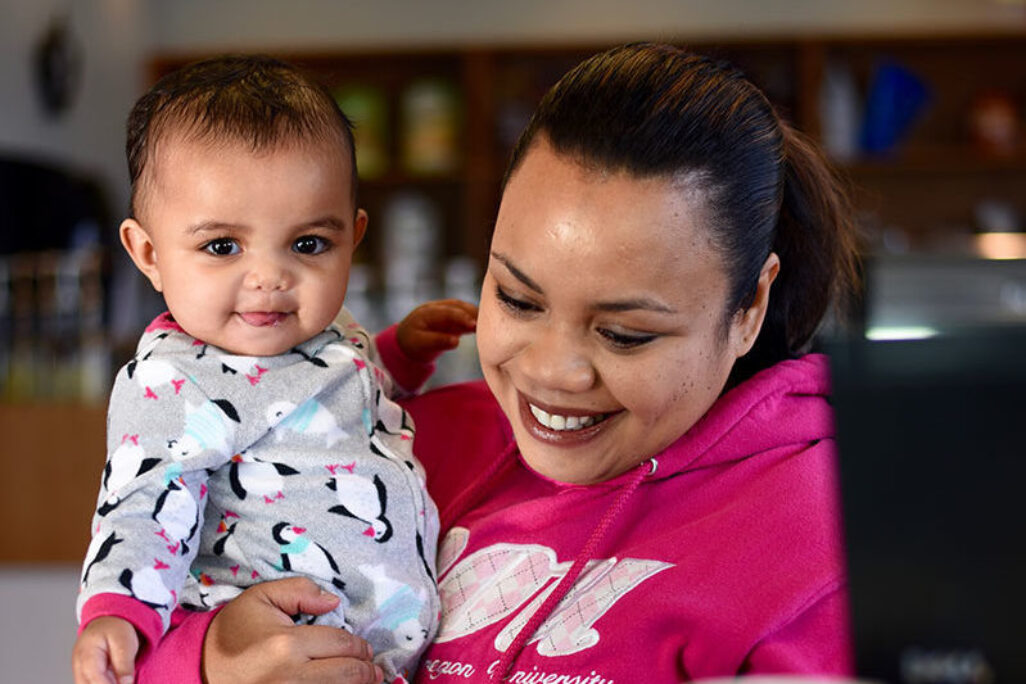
(367, 108)
(430, 123)
(460, 364)
(412, 236)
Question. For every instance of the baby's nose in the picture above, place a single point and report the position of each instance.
(267, 275)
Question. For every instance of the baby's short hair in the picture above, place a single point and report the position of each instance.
(253, 99)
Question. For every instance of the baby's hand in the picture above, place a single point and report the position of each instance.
(105, 652)
(435, 327)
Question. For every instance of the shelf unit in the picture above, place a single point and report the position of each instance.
(928, 187)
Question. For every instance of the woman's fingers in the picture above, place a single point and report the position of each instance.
(341, 671)
(253, 639)
(294, 595)
(320, 641)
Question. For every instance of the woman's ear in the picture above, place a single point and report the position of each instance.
(749, 321)
(140, 247)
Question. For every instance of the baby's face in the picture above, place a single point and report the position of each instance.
(251, 250)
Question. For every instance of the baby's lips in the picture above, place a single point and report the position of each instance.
(261, 319)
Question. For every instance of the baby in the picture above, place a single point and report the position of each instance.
(251, 438)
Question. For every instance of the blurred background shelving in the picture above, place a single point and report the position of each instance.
(935, 156)
(926, 183)
(434, 130)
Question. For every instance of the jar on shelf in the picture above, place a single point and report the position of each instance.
(994, 123)
(367, 108)
(429, 126)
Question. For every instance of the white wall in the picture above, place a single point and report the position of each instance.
(37, 623)
(202, 25)
(37, 618)
(90, 136)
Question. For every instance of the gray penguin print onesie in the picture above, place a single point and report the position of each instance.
(224, 471)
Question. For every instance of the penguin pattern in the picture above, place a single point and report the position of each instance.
(300, 554)
(364, 500)
(128, 462)
(250, 476)
(398, 607)
(208, 427)
(99, 548)
(309, 418)
(177, 514)
(147, 585)
(247, 469)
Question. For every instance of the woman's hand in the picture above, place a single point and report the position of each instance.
(435, 327)
(253, 640)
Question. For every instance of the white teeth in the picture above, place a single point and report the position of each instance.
(557, 422)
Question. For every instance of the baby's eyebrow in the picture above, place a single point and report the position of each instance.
(213, 226)
(330, 222)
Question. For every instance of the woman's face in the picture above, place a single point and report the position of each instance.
(601, 330)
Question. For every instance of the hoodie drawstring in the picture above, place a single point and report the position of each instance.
(587, 552)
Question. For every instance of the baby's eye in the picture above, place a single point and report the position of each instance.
(310, 244)
(625, 341)
(222, 247)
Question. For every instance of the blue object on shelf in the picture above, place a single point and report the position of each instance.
(896, 99)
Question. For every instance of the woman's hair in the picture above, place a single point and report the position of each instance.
(251, 99)
(656, 110)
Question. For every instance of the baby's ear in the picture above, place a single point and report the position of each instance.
(359, 227)
(140, 247)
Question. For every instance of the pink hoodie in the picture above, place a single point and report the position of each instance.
(727, 559)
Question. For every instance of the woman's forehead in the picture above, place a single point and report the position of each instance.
(552, 199)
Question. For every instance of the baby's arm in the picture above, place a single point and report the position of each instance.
(149, 511)
(105, 652)
(408, 349)
(435, 327)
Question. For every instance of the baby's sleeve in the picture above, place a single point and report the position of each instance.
(163, 434)
(402, 376)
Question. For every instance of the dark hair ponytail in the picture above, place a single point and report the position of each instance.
(655, 110)
(816, 240)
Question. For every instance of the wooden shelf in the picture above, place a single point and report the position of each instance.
(957, 160)
(501, 84)
(52, 459)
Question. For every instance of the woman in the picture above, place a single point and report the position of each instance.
(645, 487)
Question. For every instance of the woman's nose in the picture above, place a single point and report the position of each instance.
(558, 360)
(267, 274)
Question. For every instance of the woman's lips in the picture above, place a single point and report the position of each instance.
(560, 427)
(263, 319)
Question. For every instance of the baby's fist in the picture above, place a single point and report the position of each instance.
(435, 327)
(105, 652)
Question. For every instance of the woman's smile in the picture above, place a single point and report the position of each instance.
(560, 426)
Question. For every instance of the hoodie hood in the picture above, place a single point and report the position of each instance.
(747, 419)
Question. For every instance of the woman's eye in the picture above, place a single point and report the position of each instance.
(517, 306)
(625, 341)
(222, 247)
(310, 244)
